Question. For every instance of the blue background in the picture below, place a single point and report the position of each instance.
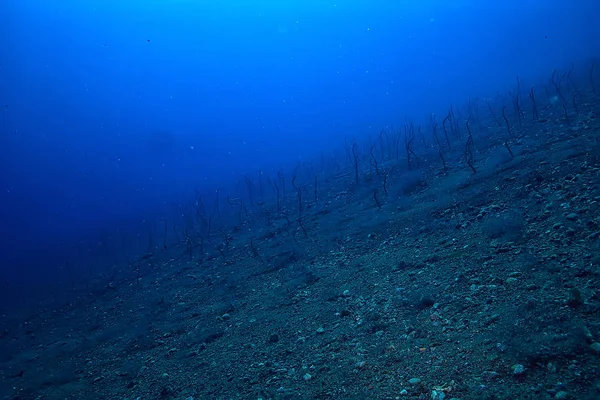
(114, 111)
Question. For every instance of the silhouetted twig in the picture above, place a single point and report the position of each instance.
(536, 116)
(355, 162)
(469, 150)
(506, 120)
(556, 85)
(492, 113)
(376, 199)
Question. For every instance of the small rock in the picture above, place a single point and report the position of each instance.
(518, 370)
(321, 330)
(490, 375)
(307, 376)
(437, 395)
(575, 299)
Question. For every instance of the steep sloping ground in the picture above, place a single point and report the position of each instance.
(464, 285)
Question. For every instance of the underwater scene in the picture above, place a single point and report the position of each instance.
(383, 199)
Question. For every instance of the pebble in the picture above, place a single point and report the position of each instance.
(274, 338)
(307, 376)
(437, 395)
(572, 216)
(518, 369)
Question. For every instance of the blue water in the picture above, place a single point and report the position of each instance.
(115, 114)
(292, 199)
